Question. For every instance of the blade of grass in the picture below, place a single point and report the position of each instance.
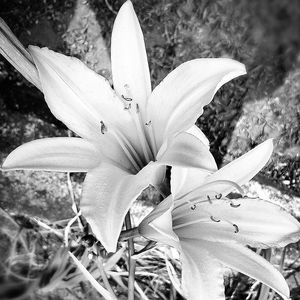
(131, 260)
(100, 289)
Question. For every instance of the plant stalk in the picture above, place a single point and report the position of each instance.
(131, 260)
(100, 266)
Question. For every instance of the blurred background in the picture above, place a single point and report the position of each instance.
(265, 103)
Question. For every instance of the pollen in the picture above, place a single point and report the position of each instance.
(214, 219)
(193, 207)
(128, 99)
(236, 228)
(103, 127)
(127, 107)
(235, 205)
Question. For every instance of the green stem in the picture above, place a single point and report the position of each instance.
(107, 285)
(130, 233)
(131, 260)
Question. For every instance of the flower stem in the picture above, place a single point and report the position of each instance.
(130, 233)
(131, 260)
(107, 285)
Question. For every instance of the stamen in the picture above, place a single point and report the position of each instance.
(236, 228)
(213, 183)
(152, 138)
(188, 223)
(127, 107)
(138, 123)
(103, 127)
(234, 205)
(215, 220)
(141, 134)
(193, 207)
(126, 98)
(128, 154)
(137, 108)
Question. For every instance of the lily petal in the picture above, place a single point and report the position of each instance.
(202, 273)
(249, 221)
(244, 168)
(172, 110)
(78, 96)
(187, 150)
(85, 102)
(130, 69)
(54, 154)
(249, 263)
(184, 179)
(157, 226)
(197, 132)
(108, 193)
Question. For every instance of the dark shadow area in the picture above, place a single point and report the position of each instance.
(39, 23)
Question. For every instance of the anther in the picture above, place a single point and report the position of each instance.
(126, 98)
(103, 127)
(127, 107)
(235, 205)
(236, 228)
(137, 108)
(215, 220)
(219, 196)
(193, 207)
(148, 123)
(208, 198)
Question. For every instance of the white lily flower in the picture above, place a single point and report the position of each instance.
(128, 134)
(210, 230)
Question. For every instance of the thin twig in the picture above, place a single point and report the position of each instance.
(110, 7)
(131, 260)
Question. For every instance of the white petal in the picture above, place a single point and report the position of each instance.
(184, 180)
(252, 222)
(246, 261)
(188, 151)
(244, 168)
(85, 102)
(157, 226)
(202, 274)
(108, 193)
(78, 96)
(197, 132)
(130, 69)
(54, 154)
(178, 100)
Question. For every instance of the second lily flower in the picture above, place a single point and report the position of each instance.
(211, 230)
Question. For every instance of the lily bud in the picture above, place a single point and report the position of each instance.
(12, 49)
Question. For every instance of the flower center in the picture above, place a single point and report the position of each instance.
(185, 212)
(144, 130)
